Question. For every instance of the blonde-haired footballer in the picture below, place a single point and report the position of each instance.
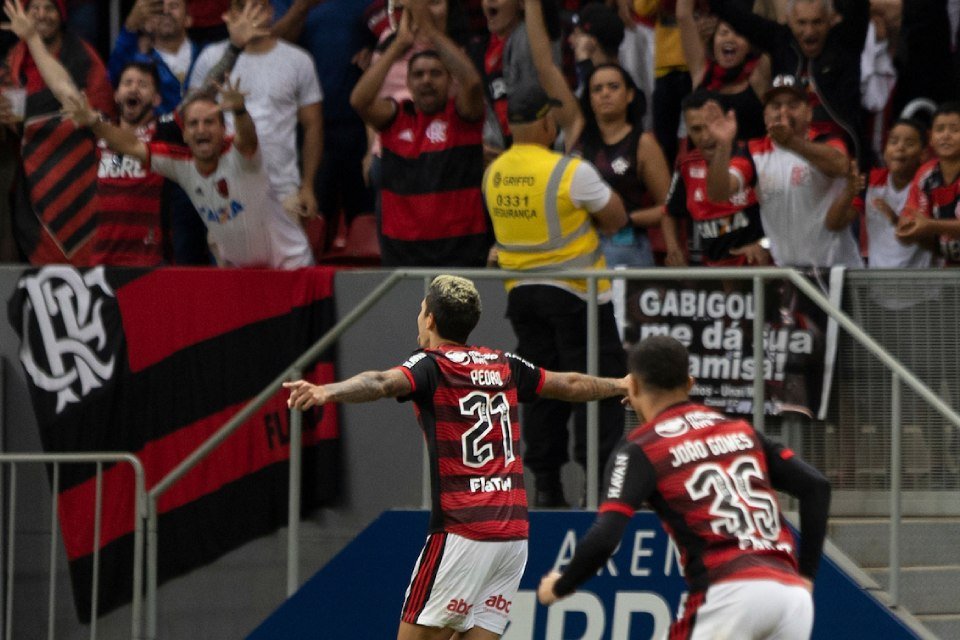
(466, 398)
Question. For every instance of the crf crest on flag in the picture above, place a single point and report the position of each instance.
(152, 362)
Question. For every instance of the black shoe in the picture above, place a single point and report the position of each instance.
(549, 499)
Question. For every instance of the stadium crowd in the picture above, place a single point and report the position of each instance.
(797, 132)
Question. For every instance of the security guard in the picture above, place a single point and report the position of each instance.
(547, 210)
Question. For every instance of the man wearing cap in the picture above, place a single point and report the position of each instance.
(432, 211)
(819, 46)
(54, 217)
(795, 174)
(547, 211)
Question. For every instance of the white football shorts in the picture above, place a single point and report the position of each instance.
(461, 583)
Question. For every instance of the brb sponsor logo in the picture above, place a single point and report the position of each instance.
(72, 356)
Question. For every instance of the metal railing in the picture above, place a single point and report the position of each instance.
(139, 517)
(901, 376)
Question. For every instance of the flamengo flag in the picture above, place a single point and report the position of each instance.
(153, 362)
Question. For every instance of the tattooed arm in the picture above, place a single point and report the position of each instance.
(579, 387)
(363, 387)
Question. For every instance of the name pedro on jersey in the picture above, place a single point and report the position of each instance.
(699, 449)
(486, 378)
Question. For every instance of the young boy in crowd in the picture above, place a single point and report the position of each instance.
(884, 198)
(932, 205)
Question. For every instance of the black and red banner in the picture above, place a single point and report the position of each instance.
(714, 320)
(153, 362)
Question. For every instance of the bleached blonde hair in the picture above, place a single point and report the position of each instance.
(455, 305)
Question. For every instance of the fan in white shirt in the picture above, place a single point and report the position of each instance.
(795, 175)
(225, 179)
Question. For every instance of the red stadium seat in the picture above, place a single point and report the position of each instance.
(356, 245)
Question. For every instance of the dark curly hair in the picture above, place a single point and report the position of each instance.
(660, 362)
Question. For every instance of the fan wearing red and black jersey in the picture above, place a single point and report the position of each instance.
(711, 480)
(466, 399)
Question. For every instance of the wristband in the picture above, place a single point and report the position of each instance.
(235, 49)
(241, 111)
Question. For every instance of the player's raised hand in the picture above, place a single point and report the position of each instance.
(304, 395)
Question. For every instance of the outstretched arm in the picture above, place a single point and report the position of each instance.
(826, 158)
(592, 552)
(636, 481)
(580, 387)
(363, 387)
(122, 141)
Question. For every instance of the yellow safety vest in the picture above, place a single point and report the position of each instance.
(538, 228)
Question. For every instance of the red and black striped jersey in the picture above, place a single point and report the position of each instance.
(58, 159)
(130, 232)
(932, 196)
(706, 475)
(432, 169)
(467, 401)
(721, 226)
